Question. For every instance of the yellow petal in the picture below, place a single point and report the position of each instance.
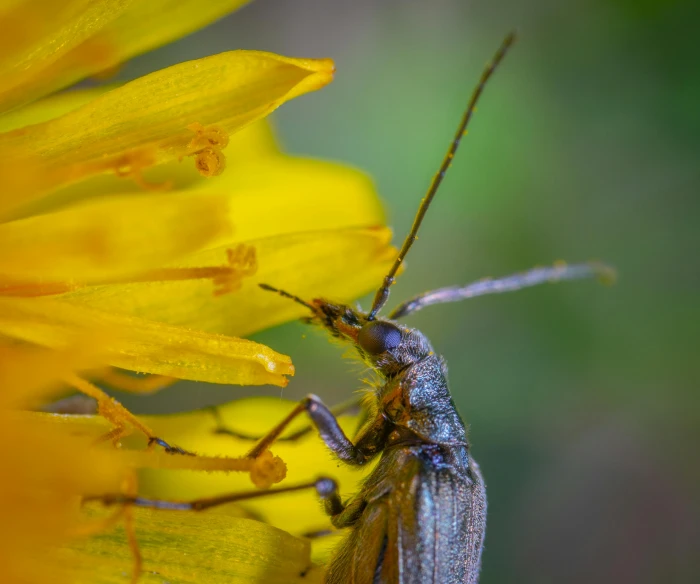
(213, 547)
(140, 25)
(247, 148)
(27, 375)
(37, 33)
(287, 194)
(146, 346)
(190, 536)
(147, 24)
(253, 141)
(340, 264)
(306, 458)
(111, 236)
(44, 473)
(263, 471)
(49, 108)
(165, 115)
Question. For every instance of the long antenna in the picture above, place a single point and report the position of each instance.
(556, 273)
(286, 294)
(382, 294)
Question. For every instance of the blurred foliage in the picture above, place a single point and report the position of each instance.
(582, 400)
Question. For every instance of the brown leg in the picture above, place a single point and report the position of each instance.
(326, 488)
(118, 415)
(337, 410)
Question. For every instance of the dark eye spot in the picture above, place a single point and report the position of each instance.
(375, 337)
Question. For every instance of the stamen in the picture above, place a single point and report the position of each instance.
(130, 487)
(210, 162)
(206, 147)
(132, 164)
(130, 530)
(111, 410)
(265, 470)
(241, 262)
(210, 137)
(30, 289)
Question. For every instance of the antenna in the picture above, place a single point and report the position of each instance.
(382, 294)
(557, 273)
(284, 294)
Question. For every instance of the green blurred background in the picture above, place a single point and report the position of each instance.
(582, 400)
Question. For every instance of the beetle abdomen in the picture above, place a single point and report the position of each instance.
(423, 523)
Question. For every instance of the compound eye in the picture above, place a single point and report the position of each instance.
(375, 337)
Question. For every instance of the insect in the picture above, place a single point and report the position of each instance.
(420, 516)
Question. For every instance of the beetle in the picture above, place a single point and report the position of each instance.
(420, 516)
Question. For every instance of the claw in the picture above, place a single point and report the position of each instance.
(168, 448)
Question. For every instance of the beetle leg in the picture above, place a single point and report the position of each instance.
(342, 514)
(329, 429)
(349, 514)
(325, 487)
(337, 410)
(361, 555)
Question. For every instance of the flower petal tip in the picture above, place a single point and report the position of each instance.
(325, 72)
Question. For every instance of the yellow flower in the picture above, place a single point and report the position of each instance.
(228, 543)
(138, 221)
(45, 471)
(82, 247)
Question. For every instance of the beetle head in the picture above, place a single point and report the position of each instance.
(383, 344)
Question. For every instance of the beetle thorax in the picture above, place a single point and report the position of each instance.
(412, 349)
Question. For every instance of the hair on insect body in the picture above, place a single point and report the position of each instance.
(420, 515)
